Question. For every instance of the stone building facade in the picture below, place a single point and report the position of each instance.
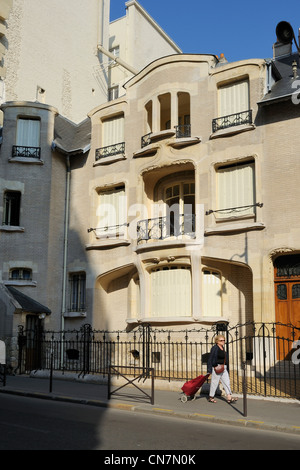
(173, 204)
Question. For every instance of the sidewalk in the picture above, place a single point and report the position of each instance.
(281, 415)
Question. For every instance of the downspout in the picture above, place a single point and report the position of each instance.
(65, 256)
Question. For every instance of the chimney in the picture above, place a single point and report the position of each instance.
(280, 49)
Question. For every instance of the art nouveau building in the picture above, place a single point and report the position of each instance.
(173, 204)
(187, 217)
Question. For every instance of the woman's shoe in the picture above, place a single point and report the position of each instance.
(211, 400)
(232, 400)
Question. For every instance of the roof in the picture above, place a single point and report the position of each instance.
(71, 138)
(286, 84)
(27, 304)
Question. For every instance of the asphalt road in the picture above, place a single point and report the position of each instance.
(35, 424)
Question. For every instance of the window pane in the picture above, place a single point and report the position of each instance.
(212, 294)
(28, 132)
(296, 291)
(12, 208)
(235, 189)
(281, 292)
(171, 292)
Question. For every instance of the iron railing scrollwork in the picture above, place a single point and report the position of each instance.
(258, 349)
(26, 152)
(110, 150)
(159, 228)
(231, 120)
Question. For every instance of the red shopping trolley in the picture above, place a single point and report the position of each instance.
(191, 387)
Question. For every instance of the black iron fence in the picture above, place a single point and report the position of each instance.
(270, 359)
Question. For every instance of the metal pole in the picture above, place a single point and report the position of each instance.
(244, 390)
(51, 371)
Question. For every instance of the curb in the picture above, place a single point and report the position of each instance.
(241, 422)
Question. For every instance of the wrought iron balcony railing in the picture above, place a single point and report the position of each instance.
(183, 130)
(146, 140)
(160, 228)
(110, 150)
(237, 119)
(27, 152)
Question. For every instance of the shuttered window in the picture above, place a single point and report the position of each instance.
(113, 131)
(111, 212)
(28, 132)
(236, 190)
(234, 98)
(171, 292)
(212, 294)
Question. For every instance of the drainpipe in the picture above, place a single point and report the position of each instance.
(66, 230)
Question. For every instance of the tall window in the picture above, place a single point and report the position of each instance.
(180, 200)
(234, 98)
(77, 292)
(27, 138)
(111, 212)
(28, 132)
(12, 204)
(236, 190)
(112, 138)
(171, 292)
(234, 106)
(212, 293)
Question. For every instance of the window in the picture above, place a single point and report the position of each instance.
(234, 98)
(20, 274)
(112, 138)
(234, 105)
(236, 190)
(77, 292)
(113, 93)
(212, 293)
(171, 292)
(115, 51)
(111, 213)
(11, 213)
(27, 138)
(180, 200)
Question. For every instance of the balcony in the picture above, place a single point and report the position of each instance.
(20, 151)
(160, 228)
(183, 130)
(115, 150)
(232, 120)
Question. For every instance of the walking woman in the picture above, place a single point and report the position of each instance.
(217, 357)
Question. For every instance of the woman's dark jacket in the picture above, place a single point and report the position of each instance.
(213, 359)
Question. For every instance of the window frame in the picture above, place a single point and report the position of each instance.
(174, 298)
(8, 217)
(77, 292)
(205, 292)
(239, 207)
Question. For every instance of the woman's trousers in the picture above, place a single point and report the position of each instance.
(215, 380)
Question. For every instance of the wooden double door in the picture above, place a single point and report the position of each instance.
(287, 305)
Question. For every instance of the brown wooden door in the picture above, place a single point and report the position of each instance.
(287, 303)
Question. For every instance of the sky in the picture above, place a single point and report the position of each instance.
(240, 30)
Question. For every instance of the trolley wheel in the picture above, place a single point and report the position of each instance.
(184, 398)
